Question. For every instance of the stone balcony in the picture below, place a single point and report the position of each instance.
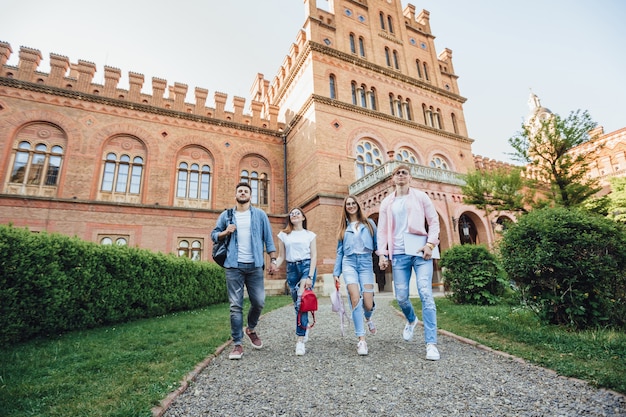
(383, 172)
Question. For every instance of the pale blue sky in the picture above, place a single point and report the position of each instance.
(569, 52)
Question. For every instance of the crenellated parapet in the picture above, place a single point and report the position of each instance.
(79, 77)
(482, 163)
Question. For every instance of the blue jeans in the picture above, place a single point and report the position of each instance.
(402, 265)
(297, 271)
(252, 278)
(358, 268)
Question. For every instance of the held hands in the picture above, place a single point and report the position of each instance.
(383, 263)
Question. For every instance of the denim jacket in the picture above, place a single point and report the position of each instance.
(346, 246)
(261, 232)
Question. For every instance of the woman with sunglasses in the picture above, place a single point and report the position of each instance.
(296, 246)
(356, 236)
(404, 240)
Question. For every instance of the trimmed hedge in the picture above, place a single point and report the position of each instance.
(51, 283)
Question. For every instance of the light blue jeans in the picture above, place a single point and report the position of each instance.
(252, 278)
(358, 268)
(402, 266)
(296, 272)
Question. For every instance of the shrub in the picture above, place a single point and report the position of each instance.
(473, 274)
(51, 283)
(569, 266)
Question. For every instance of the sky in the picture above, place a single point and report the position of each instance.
(570, 53)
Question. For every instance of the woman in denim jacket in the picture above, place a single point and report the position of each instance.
(356, 237)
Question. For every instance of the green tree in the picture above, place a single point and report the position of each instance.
(546, 144)
(617, 199)
(498, 190)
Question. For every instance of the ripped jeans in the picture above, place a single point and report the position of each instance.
(402, 266)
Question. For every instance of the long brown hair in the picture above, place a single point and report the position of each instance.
(289, 228)
(341, 230)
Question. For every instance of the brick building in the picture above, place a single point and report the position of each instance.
(361, 89)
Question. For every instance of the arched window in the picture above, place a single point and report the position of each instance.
(121, 174)
(439, 163)
(258, 184)
(361, 46)
(372, 97)
(382, 20)
(332, 86)
(426, 72)
(392, 105)
(368, 157)
(194, 181)
(387, 57)
(396, 62)
(418, 64)
(428, 115)
(362, 91)
(437, 117)
(406, 155)
(389, 23)
(352, 44)
(38, 166)
(407, 109)
(454, 124)
(354, 101)
(399, 106)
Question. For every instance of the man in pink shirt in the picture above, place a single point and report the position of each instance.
(404, 241)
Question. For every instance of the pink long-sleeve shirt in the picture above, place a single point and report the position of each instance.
(419, 208)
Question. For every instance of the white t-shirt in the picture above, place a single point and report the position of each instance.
(297, 244)
(244, 237)
(400, 220)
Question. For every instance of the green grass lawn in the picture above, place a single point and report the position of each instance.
(125, 370)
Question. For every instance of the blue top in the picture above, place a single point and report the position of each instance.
(260, 230)
(350, 243)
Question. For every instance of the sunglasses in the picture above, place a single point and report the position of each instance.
(402, 172)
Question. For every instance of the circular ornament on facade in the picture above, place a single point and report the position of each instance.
(361, 18)
(44, 133)
(195, 155)
(126, 145)
(423, 45)
(254, 163)
(413, 41)
(348, 12)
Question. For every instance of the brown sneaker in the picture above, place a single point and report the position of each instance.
(236, 353)
(254, 339)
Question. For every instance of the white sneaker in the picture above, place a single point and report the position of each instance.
(407, 334)
(306, 336)
(300, 349)
(361, 348)
(432, 353)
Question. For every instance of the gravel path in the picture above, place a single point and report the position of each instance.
(394, 380)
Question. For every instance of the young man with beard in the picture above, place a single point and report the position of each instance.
(250, 234)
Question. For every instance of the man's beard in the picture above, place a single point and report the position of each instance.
(243, 200)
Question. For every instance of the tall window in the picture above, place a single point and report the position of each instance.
(418, 64)
(368, 157)
(396, 61)
(190, 248)
(392, 107)
(426, 72)
(193, 181)
(389, 23)
(382, 20)
(332, 86)
(258, 183)
(36, 166)
(354, 101)
(387, 57)
(362, 93)
(372, 97)
(121, 174)
(454, 124)
(352, 44)
(361, 46)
